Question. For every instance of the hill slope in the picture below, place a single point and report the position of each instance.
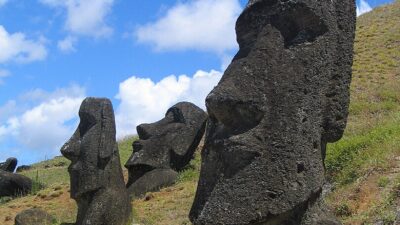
(365, 164)
(363, 168)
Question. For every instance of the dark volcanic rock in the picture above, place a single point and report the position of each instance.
(9, 165)
(282, 99)
(34, 217)
(12, 184)
(164, 147)
(153, 180)
(97, 182)
(23, 168)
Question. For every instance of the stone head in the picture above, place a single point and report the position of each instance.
(91, 147)
(300, 50)
(283, 97)
(168, 143)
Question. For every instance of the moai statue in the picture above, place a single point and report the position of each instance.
(97, 183)
(164, 148)
(281, 100)
(14, 185)
(9, 165)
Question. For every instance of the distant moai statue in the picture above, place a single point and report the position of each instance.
(97, 182)
(164, 148)
(281, 100)
(9, 165)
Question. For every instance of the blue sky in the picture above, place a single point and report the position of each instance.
(143, 55)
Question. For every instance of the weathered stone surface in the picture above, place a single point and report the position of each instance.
(12, 184)
(282, 99)
(164, 147)
(153, 180)
(97, 182)
(34, 217)
(9, 165)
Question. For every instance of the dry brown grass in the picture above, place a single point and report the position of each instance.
(59, 205)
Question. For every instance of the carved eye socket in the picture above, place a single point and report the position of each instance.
(87, 122)
(298, 24)
(176, 115)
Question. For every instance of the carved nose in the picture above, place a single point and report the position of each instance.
(143, 131)
(71, 149)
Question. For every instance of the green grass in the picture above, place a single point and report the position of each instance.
(385, 210)
(49, 172)
(383, 181)
(348, 159)
(125, 148)
(192, 171)
(376, 65)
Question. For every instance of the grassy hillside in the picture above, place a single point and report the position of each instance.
(365, 164)
(363, 168)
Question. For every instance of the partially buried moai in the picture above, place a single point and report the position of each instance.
(97, 183)
(164, 147)
(282, 99)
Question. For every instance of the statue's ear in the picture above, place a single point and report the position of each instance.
(337, 87)
(107, 134)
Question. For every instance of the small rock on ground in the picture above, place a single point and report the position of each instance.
(34, 217)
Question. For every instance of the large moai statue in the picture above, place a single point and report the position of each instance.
(164, 147)
(282, 99)
(97, 183)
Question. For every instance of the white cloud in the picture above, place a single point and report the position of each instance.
(15, 47)
(46, 126)
(39, 95)
(85, 17)
(67, 45)
(144, 101)
(43, 127)
(3, 74)
(205, 25)
(363, 7)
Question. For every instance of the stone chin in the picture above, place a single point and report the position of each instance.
(80, 184)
